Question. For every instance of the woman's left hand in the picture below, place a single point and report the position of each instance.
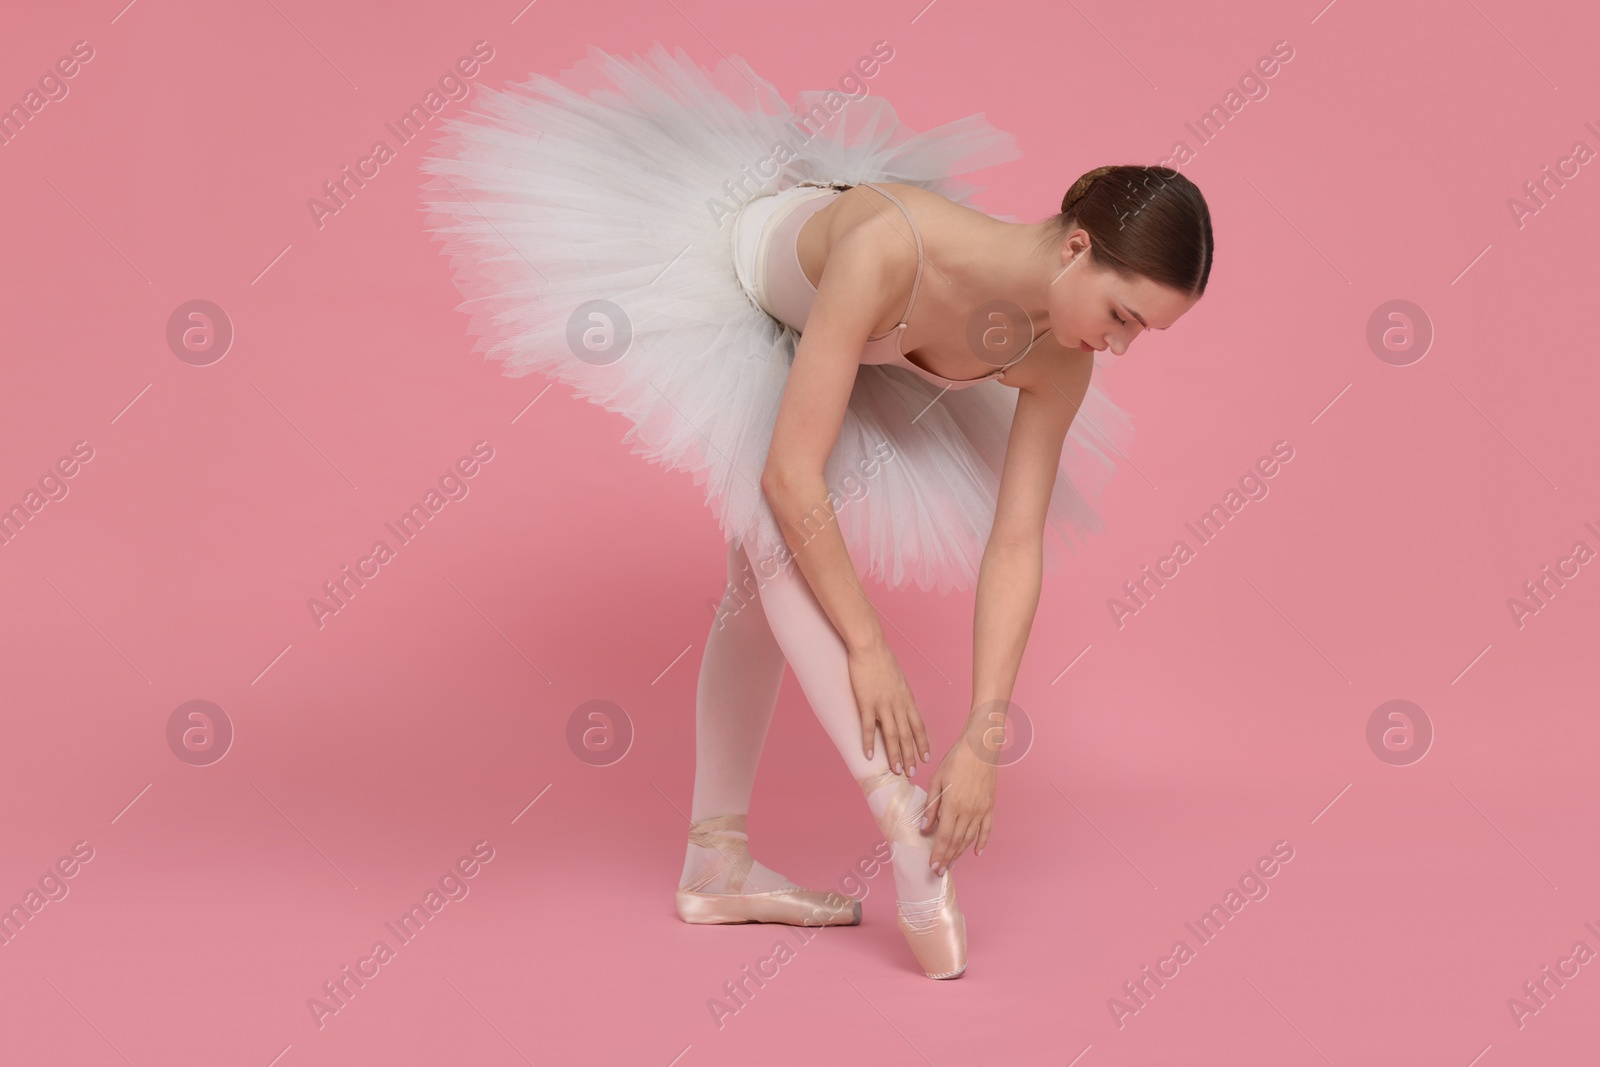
(961, 800)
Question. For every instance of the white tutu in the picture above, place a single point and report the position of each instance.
(547, 198)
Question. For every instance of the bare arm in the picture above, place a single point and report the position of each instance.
(1013, 560)
(850, 298)
(857, 288)
(962, 790)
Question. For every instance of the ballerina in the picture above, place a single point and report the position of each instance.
(853, 320)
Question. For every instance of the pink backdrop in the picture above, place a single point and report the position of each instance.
(210, 499)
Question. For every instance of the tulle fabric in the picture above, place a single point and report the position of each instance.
(619, 181)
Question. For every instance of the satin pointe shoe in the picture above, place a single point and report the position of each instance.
(935, 929)
(790, 904)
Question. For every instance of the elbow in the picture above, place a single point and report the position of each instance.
(771, 484)
(778, 483)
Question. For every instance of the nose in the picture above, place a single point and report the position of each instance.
(1119, 344)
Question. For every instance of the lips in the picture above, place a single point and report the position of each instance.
(1084, 345)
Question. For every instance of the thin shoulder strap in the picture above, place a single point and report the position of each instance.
(1031, 343)
(916, 233)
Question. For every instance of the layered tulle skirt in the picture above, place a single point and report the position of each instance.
(588, 221)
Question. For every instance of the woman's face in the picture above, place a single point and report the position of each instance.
(1100, 308)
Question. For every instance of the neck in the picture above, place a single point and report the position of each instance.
(1025, 266)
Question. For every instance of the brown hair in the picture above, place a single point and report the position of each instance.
(1149, 221)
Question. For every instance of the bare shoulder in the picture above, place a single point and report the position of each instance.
(863, 226)
(858, 257)
(878, 222)
(859, 286)
(864, 206)
(1053, 371)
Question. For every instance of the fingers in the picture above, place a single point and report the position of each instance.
(947, 831)
(869, 729)
(969, 834)
(919, 734)
(944, 849)
(930, 808)
(908, 725)
(908, 742)
(956, 834)
(940, 840)
(891, 740)
(899, 747)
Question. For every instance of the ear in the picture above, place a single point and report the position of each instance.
(1075, 247)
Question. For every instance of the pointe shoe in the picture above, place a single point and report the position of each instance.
(935, 929)
(790, 904)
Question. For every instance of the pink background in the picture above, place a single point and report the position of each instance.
(1229, 714)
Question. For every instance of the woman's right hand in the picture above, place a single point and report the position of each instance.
(885, 702)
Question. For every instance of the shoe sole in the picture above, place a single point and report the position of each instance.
(712, 909)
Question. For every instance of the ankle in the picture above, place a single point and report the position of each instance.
(717, 860)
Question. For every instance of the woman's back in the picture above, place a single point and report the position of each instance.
(799, 228)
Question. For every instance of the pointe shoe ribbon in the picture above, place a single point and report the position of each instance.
(935, 929)
(789, 904)
(897, 822)
(733, 853)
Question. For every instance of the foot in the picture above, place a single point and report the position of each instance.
(933, 926)
(724, 884)
(936, 930)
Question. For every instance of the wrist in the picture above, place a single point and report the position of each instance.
(990, 712)
(986, 731)
(975, 754)
(868, 639)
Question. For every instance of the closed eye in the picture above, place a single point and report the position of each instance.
(1120, 320)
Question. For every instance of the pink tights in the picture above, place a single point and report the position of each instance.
(738, 688)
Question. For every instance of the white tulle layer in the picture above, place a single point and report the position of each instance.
(619, 182)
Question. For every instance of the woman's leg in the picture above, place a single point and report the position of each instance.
(816, 654)
(738, 688)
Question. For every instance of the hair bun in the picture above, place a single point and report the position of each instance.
(1081, 187)
(1146, 221)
